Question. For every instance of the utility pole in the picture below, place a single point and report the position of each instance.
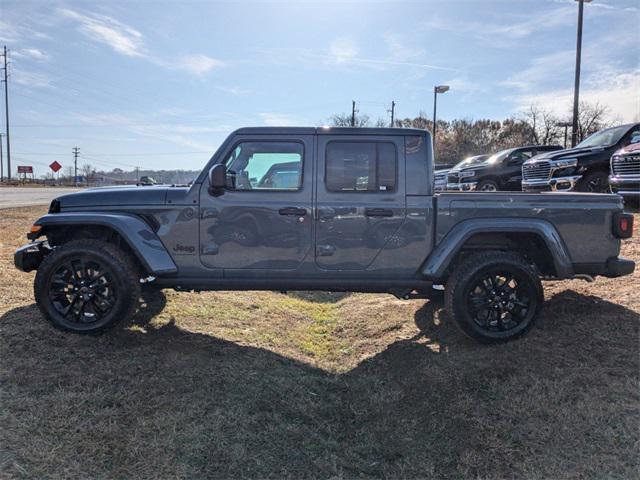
(1, 162)
(576, 87)
(393, 109)
(6, 112)
(76, 152)
(137, 174)
(353, 113)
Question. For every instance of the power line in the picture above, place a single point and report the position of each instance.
(117, 154)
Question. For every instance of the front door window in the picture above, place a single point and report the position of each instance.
(266, 166)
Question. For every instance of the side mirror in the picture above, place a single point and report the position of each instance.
(217, 179)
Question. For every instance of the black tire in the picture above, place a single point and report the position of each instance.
(486, 309)
(87, 286)
(594, 182)
(487, 185)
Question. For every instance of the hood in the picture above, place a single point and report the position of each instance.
(115, 196)
(473, 166)
(633, 148)
(569, 153)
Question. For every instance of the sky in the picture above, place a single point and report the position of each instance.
(161, 84)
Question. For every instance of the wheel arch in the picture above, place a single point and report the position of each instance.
(537, 240)
(130, 231)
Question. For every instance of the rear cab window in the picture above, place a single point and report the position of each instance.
(354, 166)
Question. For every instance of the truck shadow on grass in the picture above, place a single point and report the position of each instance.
(164, 402)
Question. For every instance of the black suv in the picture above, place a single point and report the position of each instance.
(501, 171)
(584, 168)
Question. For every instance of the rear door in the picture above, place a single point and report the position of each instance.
(360, 199)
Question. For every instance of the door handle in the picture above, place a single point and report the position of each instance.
(293, 211)
(378, 212)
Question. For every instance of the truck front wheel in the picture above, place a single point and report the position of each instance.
(494, 296)
(86, 286)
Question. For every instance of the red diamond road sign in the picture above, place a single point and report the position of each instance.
(55, 166)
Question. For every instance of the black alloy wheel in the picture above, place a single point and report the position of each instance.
(86, 286)
(499, 300)
(82, 291)
(494, 296)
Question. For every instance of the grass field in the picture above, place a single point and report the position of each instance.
(265, 385)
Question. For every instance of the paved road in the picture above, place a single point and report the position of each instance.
(11, 197)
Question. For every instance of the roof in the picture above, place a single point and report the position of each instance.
(329, 131)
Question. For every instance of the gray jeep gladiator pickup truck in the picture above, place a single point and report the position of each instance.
(337, 209)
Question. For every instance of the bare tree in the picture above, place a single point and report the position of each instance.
(543, 124)
(381, 122)
(344, 120)
(88, 172)
(592, 117)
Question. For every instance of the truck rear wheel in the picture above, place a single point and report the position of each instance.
(86, 286)
(487, 186)
(494, 296)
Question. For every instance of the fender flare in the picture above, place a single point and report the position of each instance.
(136, 232)
(445, 252)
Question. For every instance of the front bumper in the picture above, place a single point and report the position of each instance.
(627, 186)
(462, 187)
(554, 184)
(28, 257)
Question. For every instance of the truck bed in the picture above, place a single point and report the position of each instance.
(583, 220)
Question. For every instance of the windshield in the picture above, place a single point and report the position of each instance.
(498, 157)
(604, 138)
(467, 162)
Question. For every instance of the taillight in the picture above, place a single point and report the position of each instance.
(623, 225)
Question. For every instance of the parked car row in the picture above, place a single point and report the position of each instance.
(608, 160)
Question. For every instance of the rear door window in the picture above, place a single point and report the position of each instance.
(361, 167)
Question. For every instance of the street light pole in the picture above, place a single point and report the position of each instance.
(576, 87)
(565, 125)
(436, 90)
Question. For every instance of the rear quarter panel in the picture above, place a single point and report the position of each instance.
(582, 220)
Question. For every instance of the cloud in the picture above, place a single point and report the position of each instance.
(616, 90)
(32, 53)
(542, 69)
(108, 31)
(342, 50)
(237, 91)
(31, 79)
(273, 119)
(128, 41)
(511, 29)
(198, 64)
(398, 50)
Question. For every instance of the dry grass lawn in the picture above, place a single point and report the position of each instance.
(264, 385)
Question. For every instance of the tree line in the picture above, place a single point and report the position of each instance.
(460, 138)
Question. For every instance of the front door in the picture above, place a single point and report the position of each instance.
(360, 199)
(265, 221)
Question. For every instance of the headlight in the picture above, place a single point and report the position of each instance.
(467, 173)
(565, 162)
